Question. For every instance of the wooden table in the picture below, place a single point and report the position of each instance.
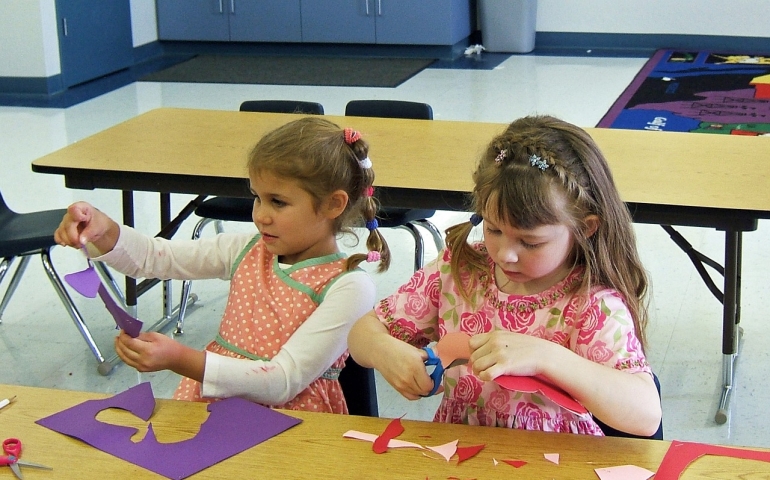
(667, 178)
(316, 449)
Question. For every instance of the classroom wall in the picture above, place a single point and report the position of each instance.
(29, 44)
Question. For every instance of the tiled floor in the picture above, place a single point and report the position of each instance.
(40, 346)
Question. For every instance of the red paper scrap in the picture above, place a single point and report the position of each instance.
(393, 430)
(464, 453)
(681, 454)
(515, 463)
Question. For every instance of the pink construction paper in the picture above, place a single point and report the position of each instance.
(233, 425)
(87, 283)
(537, 384)
(552, 457)
(624, 472)
(446, 450)
(682, 454)
(453, 346)
(370, 437)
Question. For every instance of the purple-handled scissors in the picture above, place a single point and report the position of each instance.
(12, 449)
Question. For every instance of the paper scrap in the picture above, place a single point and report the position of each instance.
(453, 346)
(682, 454)
(537, 384)
(515, 463)
(370, 437)
(446, 450)
(624, 472)
(464, 453)
(393, 430)
(552, 457)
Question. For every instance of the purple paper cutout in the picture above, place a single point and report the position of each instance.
(88, 284)
(233, 425)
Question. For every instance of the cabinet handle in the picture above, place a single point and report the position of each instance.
(379, 7)
(221, 7)
(64, 25)
(232, 7)
(367, 7)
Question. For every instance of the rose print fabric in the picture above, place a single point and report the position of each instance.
(265, 306)
(598, 328)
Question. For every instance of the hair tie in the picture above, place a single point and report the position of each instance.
(373, 257)
(538, 162)
(352, 136)
(365, 163)
(369, 192)
(476, 219)
(500, 156)
(372, 224)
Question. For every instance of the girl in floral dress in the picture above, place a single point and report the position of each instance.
(293, 295)
(556, 289)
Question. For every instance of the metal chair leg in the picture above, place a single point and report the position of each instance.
(187, 284)
(69, 305)
(14, 282)
(419, 245)
(438, 238)
(112, 284)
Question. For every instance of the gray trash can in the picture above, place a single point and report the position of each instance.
(508, 25)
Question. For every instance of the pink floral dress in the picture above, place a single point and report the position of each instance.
(430, 305)
(265, 306)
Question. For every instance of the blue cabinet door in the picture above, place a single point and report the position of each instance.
(265, 20)
(94, 38)
(338, 21)
(205, 20)
(423, 22)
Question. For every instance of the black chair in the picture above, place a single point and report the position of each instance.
(393, 217)
(359, 388)
(227, 209)
(24, 235)
(611, 432)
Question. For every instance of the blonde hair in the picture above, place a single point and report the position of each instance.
(313, 151)
(573, 183)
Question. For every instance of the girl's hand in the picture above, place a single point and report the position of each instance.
(83, 224)
(149, 352)
(507, 353)
(404, 369)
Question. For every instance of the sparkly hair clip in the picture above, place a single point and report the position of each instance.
(476, 219)
(365, 163)
(373, 256)
(351, 136)
(500, 156)
(538, 162)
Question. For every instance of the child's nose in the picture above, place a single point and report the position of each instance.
(509, 255)
(259, 215)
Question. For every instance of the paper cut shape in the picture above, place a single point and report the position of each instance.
(446, 450)
(624, 472)
(464, 453)
(682, 454)
(88, 284)
(494, 461)
(537, 384)
(515, 463)
(233, 425)
(552, 457)
(453, 346)
(370, 437)
(393, 430)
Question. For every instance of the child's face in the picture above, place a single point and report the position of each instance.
(533, 260)
(285, 215)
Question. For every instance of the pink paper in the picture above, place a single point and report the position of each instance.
(624, 472)
(552, 457)
(537, 384)
(446, 450)
(453, 346)
(233, 425)
(370, 437)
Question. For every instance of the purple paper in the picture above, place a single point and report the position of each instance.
(234, 425)
(85, 282)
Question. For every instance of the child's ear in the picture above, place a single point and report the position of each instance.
(336, 203)
(591, 223)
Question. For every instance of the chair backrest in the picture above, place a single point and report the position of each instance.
(389, 109)
(358, 386)
(282, 106)
(611, 432)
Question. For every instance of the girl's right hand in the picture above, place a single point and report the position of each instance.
(405, 370)
(83, 223)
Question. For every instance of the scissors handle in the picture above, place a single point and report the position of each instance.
(438, 371)
(12, 447)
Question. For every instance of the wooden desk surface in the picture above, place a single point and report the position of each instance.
(662, 168)
(316, 449)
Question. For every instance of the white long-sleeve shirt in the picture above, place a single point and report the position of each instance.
(310, 351)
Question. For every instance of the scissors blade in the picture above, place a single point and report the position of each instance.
(17, 471)
(33, 465)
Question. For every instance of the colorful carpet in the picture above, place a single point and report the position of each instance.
(707, 92)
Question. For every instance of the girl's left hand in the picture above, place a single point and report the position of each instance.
(149, 352)
(507, 353)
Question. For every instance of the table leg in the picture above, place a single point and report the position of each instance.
(731, 334)
(128, 220)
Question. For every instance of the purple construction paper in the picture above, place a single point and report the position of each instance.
(85, 282)
(125, 321)
(233, 425)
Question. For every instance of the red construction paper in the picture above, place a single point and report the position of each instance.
(537, 384)
(682, 454)
(464, 453)
(393, 430)
(515, 463)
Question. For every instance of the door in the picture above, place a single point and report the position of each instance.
(94, 38)
(265, 20)
(204, 20)
(338, 21)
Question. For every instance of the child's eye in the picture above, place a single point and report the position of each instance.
(530, 246)
(493, 231)
(278, 203)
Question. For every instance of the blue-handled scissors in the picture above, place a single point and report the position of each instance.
(438, 368)
(12, 449)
